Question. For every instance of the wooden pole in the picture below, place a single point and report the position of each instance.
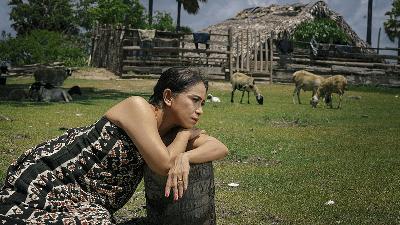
(241, 52)
(237, 52)
(261, 53)
(266, 54)
(271, 57)
(255, 50)
(230, 58)
(247, 51)
(379, 40)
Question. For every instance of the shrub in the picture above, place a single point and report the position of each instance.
(323, 30)
(41, 46)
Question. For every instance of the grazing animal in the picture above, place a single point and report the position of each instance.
(334, 84)
(53, 76)
(211, 98)
(49, 93)
(306, 81)
(242, 82)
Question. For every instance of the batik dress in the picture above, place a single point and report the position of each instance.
(81, 177)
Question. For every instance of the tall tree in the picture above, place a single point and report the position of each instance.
(55, 15)
(126, 12)
(369, 21)
(190, 6)
(392, 24)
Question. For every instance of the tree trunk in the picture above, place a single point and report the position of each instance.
(150, 12)
(369, 22)
(197, 206)
(178, 19)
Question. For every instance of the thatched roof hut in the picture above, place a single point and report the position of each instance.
(276, 19)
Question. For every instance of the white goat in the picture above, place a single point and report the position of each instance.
(306, 81)
(211, 98)
(243, 83)
(334, 84)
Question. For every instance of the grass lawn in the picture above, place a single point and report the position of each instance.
(289, 160)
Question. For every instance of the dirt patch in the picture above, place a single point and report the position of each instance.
(94, 74)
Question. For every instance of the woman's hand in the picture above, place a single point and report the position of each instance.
(178, 177)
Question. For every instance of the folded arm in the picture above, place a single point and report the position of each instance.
(136, 117)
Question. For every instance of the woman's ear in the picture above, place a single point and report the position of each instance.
(167, 97)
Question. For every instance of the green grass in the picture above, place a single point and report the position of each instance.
(289, 160)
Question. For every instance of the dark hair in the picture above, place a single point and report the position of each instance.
(177, 80)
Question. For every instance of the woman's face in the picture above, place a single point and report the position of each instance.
(187, 106)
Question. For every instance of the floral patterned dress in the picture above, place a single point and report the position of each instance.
(81, 177)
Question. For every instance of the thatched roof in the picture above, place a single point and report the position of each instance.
(279, 18)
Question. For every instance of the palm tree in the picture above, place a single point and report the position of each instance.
(190, 6)
(392, 25)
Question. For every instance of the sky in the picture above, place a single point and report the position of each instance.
(214, 11)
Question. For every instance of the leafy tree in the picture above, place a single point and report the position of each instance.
(54, 15)
(392, 24)
(126, 12)
(190, 6)
(163, 21)
(42, 46)
(322, 30)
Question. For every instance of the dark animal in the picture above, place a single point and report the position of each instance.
(53, 76)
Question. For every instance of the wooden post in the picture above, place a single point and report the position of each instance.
(241, 51)
(197, 205)
(255, 50)
(261, 52)
(247, 51)
(266, 54)
(230, 44)
(271, 57)
(237, 52)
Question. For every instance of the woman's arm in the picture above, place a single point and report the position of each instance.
(204, 149)
(136, 117)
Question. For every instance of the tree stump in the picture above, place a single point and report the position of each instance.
(196, 207)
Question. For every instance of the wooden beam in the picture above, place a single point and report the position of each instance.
(230, 55)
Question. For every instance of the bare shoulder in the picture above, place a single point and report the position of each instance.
(134, 107)
(138, 101)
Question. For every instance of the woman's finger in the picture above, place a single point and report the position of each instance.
(185, 180)
(175, 187)
(168, 185)
(180, 187)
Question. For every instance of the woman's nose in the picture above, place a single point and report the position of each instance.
(199, 110)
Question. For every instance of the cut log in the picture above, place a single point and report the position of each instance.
(196, 207)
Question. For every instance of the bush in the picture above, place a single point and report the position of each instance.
(41, 46)
(323, 31)
(163, 21)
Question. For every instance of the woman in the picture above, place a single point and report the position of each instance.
(88, 173)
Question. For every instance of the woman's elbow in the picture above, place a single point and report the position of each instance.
(162, 169)
(224, 151)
